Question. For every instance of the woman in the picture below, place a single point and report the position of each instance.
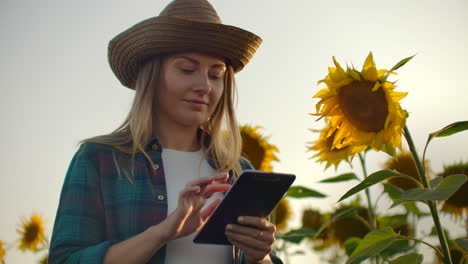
(139, 194)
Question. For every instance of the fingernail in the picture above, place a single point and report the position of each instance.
(195, 188)
(220, 176)
(240, 219)
(228, 227)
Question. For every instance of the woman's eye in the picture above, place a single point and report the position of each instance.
(216, 77)
(185, 70)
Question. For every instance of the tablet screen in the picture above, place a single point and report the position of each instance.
(255, 193)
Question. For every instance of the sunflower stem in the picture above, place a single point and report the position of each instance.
(370, 207)
(431, 204)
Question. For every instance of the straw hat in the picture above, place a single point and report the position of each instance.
(184, 25)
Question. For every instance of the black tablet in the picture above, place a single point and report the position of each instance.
(255, 193)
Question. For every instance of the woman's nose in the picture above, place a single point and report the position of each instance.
(203, 84)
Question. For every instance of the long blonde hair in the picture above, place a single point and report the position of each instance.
(220, 144)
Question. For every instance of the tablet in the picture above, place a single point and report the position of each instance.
(255, 193)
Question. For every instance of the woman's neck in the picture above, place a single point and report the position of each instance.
(177, 138)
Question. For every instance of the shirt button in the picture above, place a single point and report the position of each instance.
(160, 197)
(154, 147)
(155, 167)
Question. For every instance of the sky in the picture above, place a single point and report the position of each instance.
(57, 88)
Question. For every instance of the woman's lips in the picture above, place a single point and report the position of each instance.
(197, 104)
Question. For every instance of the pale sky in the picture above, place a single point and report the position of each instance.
(57, 87)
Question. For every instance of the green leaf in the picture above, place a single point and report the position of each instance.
(302, 192)
(372, 244)
(369, 181)
(413, 208)
(394, 192)
(434, 182)
(351, 244)
(345, 213)
(393, 220)
(397, 247)
(297, 235)
(412, 258)
(341, 178)
(446, 188)
(401, 63)
(450, 129)
(462, 242)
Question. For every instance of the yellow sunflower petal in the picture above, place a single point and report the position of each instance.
(369, 71)
(31, 232)
(256, 148)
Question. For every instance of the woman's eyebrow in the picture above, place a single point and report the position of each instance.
(215, 65)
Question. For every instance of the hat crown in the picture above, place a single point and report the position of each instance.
(196, 10)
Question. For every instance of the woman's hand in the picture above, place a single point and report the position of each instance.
(255, 236)
(188, 216)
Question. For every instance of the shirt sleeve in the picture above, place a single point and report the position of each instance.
(78, 235)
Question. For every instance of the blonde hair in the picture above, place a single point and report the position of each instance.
(220, 136)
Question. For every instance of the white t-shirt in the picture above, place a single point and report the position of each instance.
(181, 168)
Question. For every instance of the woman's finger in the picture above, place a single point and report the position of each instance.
(263, 235)
(208, 180)
(254, 249)
(214, 188)
(189, 190)
(208, 211)
(257, 222)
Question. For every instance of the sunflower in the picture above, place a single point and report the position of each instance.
(362, 106)
(330, 154)
(456, 254)
(31, 232)
(256, 148)
(2, 251)
(404, 163)
(282, 212)
(350, 226)
(458, 202)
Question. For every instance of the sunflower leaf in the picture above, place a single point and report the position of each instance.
(303, 192)
(297, 235)
(393, 191)
(412, 258)
(401, 63)
(372, 244)
(345, 213)
(451, 129)
(369, 181)
(446, 188)
(399, 246)
(413, 208)
(341, 178)
(392, 220)
(462, 242)
(434, 182)
(351, 244)
(448, 130)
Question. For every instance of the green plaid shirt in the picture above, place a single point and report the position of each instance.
(99, 206)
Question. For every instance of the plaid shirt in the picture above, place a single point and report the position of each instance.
(99, 206)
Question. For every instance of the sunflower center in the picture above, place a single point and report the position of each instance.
(31, 233)
(365, 109)
(252, 150)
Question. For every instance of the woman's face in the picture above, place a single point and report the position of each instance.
(190, 87)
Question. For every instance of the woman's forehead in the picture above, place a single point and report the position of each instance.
(198, 58)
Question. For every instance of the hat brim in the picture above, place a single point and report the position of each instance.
(161, 35)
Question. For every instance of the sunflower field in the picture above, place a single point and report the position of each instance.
(361, 112)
